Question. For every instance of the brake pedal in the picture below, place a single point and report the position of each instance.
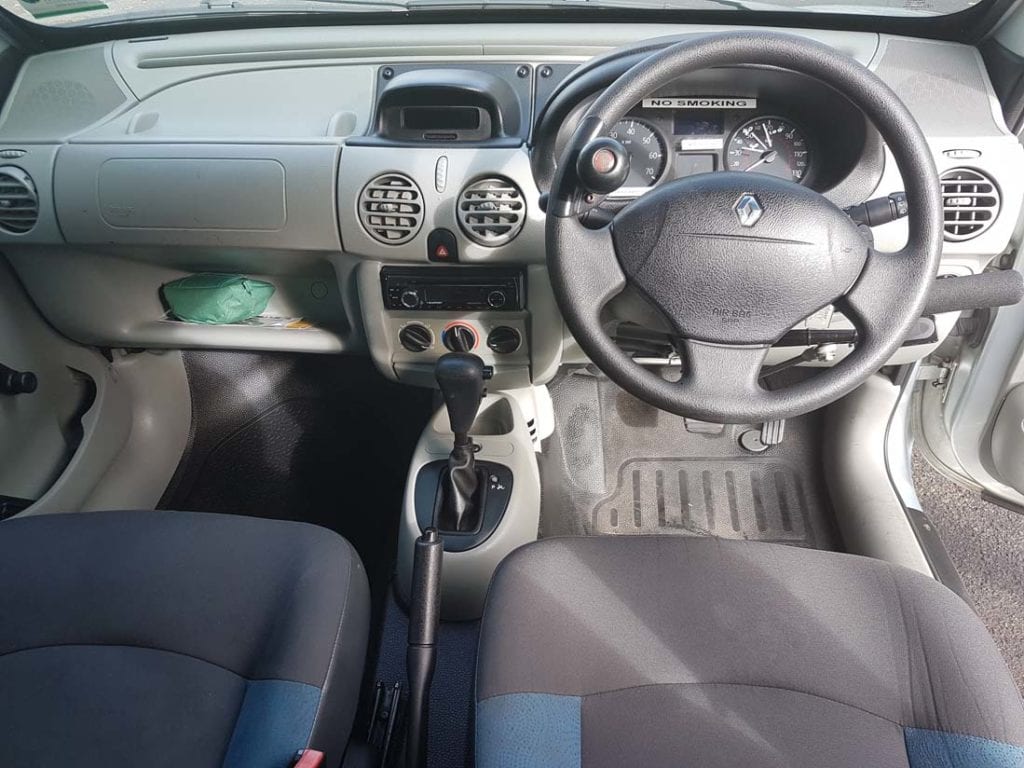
(695, 427)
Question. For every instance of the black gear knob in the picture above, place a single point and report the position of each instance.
(461, 378)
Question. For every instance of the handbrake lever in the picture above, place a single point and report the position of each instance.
(421, 654)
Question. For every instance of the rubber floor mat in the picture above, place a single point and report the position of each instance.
(616, 465)
(741, 499)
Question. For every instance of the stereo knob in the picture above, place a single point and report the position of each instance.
(460, 337)
(416, 338)
(410, 299)
(496, 299)
(504, 340)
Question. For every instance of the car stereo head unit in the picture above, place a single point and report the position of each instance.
(452, 289)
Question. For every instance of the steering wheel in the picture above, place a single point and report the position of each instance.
(735, 260)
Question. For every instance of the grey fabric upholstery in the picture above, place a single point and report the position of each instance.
(176, 639)
(666, 651)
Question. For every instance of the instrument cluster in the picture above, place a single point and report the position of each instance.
(673, 137)
(746, 119)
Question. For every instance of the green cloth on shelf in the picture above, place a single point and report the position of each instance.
(217, 299)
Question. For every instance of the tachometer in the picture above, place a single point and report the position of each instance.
(648, 154)
(769, 145)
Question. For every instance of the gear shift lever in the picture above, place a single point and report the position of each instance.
(461, 378)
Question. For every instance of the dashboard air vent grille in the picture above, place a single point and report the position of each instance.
(492, 211)
(391, 208)
(19, 203)
(970, 203)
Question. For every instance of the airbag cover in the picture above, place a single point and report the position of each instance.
(725, 270)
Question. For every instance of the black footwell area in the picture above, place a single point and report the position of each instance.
(322, 439)
(618, 466)
(450, 740)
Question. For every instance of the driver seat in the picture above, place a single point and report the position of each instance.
(670, 651)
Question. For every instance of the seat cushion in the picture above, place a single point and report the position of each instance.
(176, 639)
(668, 651)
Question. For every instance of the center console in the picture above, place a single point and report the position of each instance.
(504, 432)
(439, 200)
(456, 309)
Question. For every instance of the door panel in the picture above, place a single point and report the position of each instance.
(39, 431)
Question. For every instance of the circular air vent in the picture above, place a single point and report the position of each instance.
(391, 208)
(19, 204)
(491, 211)
(970, 203)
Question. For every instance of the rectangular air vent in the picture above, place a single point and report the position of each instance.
(970, 203)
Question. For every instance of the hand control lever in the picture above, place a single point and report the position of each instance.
(421, 653)
(881, 210)
(461, 378)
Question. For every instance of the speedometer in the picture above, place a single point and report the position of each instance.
(769, 145)
(648, 155)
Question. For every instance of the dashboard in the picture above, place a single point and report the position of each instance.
(388, 181)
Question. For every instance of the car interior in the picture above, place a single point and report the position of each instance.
(511, 383)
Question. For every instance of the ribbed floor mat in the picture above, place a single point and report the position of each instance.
(615, 465)
(741, 499)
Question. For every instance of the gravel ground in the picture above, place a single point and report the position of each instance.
(986, 544)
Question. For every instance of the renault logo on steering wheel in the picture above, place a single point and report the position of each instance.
(748, 210)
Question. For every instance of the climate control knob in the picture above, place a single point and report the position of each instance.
(416, 338)
(504, 340)
(460, 337)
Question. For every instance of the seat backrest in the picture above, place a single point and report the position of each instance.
(176, 639)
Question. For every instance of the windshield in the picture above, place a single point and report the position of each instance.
(71, 12)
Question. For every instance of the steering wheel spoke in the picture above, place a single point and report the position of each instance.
(721, 372)
(597, 263)
(588, 270)
(868, 303)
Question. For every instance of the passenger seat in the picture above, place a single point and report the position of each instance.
(177, 640)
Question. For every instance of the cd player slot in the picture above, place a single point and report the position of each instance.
(453, 289)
